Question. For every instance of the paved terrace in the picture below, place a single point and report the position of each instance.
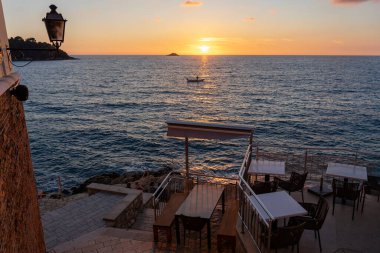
(78, 228)
(77, 218)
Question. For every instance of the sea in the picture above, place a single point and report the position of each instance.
(101, 114)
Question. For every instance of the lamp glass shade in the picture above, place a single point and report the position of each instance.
(55, 25)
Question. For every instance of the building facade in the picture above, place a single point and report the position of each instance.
(20, 224)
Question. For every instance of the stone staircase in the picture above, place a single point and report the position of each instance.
(145, 220)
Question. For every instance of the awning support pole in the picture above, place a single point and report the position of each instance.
(187, 156)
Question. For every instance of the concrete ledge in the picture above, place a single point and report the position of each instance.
(95, 187)
(124, 214)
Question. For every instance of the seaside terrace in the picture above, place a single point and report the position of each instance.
(256, 210)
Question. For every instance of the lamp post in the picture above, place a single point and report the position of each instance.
(55, 26)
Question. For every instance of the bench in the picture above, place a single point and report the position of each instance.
(226, 236)
(166, 220)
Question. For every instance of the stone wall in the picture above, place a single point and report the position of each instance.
(20, 225)
(128, 217)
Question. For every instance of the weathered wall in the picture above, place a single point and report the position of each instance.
(20, 225)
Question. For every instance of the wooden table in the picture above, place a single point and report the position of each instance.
(267, 168)
(277, 205)
(201, 203)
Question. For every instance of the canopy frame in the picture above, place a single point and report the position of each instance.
(201, 130)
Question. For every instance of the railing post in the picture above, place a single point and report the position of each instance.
(242, 200)
(236, 190)
(187, 156)
(250, 142)
(304, 169)
(269, 234)
(155, 209)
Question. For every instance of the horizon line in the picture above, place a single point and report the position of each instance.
(348, 55)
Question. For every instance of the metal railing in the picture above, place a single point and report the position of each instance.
(172, 183)
(254, 216)
(175, 183)
(315, 159)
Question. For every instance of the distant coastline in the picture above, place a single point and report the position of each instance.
(35, 55)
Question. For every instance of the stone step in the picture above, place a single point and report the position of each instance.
(147, 200)
(133, 234)
(145, 220)
(107, 240)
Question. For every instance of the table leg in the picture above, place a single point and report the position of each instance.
(223, 201)
(177, 229)
(209, 233)
(321, 186)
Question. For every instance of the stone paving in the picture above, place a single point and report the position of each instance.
(77, 218)
(113, 240)
(49, 204)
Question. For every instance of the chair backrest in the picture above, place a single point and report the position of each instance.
(373, 181)
(193, 223)
(298, 180)
(349, 191)
(264, 187)
(285, 236)
(321, 213)
(273, 185)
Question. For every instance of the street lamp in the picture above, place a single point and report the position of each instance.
(55, 26)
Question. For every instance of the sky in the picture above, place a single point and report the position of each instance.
(213, 27)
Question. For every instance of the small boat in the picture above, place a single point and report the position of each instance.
(195, 80)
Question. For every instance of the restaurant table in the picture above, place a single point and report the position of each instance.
(267, 168)
(347, 171)
(201, 203)
(278, 205)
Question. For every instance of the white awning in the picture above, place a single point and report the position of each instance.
(188, 129)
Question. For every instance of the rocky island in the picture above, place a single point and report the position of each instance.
(173, 54)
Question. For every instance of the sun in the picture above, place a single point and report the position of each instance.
(204, 49)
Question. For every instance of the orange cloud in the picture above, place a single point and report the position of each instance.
(352, 1)
(190, 3)
(249, 20)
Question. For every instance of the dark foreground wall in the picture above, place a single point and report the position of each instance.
(20, 225)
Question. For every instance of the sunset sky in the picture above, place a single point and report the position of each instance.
(227, 27)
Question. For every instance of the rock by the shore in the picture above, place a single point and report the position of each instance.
(147, 181)
(105, 178)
